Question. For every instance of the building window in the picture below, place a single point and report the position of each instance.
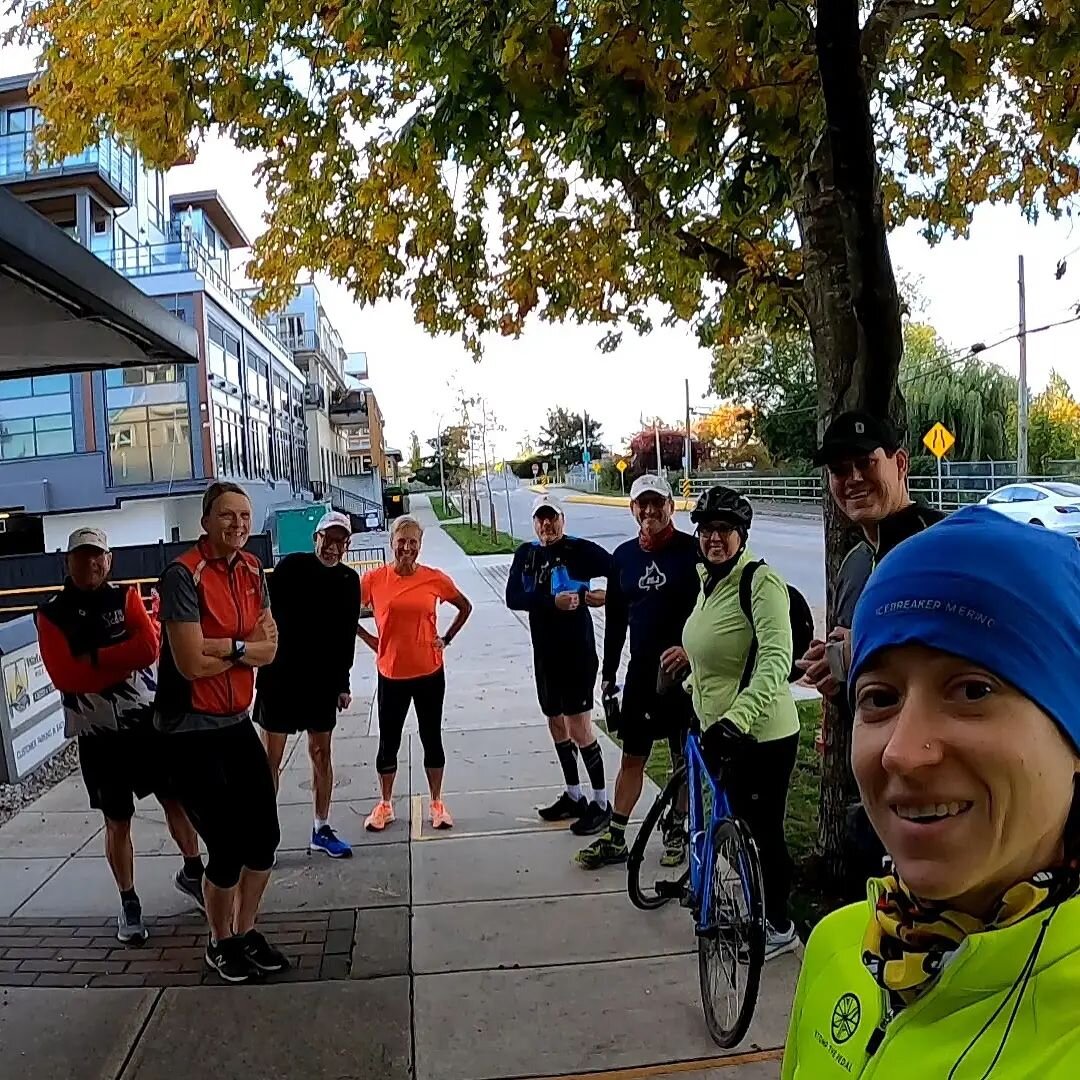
(35, 417)
(291, 330)
(229, 435)
(144, 376)
(224, 353)
(149, 443)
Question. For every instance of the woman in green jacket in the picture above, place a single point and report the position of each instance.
(744, 703)
(965, 962)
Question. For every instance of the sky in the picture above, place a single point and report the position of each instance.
(970, 287)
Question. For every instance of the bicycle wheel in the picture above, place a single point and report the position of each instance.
(731, 952)
(650, 884)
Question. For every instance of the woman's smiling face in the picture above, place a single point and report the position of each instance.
(967, 782)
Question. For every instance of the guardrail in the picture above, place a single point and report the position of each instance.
(950, 493)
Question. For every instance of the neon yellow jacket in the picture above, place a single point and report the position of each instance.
(838, 1006)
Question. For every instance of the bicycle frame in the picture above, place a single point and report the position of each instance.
(702, 843)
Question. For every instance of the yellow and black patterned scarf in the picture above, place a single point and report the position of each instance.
(908, 940)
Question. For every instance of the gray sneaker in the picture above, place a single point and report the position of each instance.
(130, 929)
(778, 942)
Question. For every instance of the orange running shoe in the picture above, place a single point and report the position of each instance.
(440, 816)
(380, 817)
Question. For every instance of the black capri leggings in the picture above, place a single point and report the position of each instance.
(426, 693)
(222, 779)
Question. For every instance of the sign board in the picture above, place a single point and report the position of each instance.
(32, 717)
(939, 440)
(621, 466)
(536, 469)
(586, 458)
(545, 467)
(596, 466)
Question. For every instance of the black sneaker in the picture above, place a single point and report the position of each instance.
(262, 954)
(593, 821)
(190, 887)
(564, 808)
(227, 958)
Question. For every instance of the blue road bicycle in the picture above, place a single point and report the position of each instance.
(720, 882)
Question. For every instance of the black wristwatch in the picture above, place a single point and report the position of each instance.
(239, 650)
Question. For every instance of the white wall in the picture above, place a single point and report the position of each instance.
(140, 521)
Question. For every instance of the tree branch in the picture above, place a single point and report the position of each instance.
(720, 264)
(885, 21)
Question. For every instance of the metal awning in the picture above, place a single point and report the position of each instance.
(63, 309)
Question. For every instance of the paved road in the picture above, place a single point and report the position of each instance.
(794, 545)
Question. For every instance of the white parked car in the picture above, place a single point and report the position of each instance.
(1054, 505)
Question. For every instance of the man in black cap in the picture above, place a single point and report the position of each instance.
(868, 480)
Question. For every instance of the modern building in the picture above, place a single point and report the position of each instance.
(347, 456)
(131, 449)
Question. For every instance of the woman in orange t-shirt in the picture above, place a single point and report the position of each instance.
(404, 597)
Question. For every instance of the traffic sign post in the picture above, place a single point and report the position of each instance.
(621, 466)
(939, 440)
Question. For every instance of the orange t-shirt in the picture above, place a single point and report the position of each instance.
(404, 610)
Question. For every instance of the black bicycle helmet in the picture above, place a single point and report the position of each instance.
(723, 504)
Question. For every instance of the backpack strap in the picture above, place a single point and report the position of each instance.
(746, 585)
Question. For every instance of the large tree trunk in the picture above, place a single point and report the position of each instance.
(853, 310)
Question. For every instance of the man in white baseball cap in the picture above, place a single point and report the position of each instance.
(315, 601)
(551, 579)
(100, 646)
(652, 589)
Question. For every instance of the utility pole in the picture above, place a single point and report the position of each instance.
(442, 473)
(656, 435)
(1022, 410)
(556, 470)
(688, 459)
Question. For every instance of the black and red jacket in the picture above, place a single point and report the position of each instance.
(99, 647)
(231, 600)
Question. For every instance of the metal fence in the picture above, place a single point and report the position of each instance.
(950, 493)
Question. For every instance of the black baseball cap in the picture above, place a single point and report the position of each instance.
(855, 433)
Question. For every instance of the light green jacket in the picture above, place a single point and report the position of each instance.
(838, 1006)
(717, 640)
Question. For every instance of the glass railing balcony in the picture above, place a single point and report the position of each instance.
(177, 256)
(111, 160)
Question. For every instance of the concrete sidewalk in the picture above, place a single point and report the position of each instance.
(477, 954)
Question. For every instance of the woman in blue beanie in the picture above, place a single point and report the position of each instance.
(965, 962)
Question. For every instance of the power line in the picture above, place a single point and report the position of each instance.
(957, 357)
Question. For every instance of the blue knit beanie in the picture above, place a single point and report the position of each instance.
(1004, 595)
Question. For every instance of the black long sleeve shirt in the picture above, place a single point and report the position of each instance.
(651, 594)
(317, 609)
(555, 633)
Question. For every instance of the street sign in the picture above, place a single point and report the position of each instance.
(536, 469)
(586, 458)
(939, 440)
(545, 467)
(686, 487)
(621, 466)
(596, 466)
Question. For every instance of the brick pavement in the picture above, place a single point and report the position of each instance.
(84, 952)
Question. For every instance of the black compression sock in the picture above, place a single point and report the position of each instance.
(618, 827)
(593, 759)
(193, 867)
(568, 752)
(129, 896)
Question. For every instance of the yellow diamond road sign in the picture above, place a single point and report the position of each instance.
(939, 440)
(621, 466)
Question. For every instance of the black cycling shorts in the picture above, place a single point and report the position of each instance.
(647, 717)
(565, 687)
(119, 767)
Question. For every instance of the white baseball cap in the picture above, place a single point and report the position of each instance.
(333, 520)
(546, 502)
(650, 483)
(94, 538)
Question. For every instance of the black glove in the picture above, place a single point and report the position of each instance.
(609, 697)
(721, 744)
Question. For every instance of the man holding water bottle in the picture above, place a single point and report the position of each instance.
(551, 578)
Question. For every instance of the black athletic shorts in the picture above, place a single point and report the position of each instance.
(565, 687)
(646, 716)
(285, 713)
(119, 767)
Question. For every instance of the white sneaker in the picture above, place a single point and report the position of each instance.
(778, 942)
